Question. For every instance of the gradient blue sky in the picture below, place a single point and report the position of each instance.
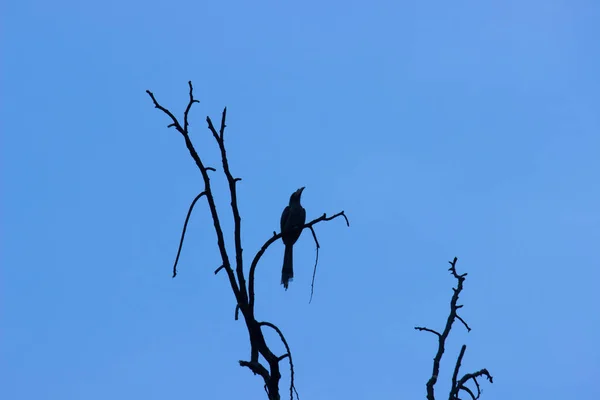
(464, 128)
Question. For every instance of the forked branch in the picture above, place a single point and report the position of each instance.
(207, 188)
(244, 295)
(457, 385)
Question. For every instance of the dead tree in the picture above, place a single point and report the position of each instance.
(243, 290)
(458, 385)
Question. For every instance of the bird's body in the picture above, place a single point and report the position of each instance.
(292, 222)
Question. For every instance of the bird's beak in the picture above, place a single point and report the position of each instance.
(299, 191)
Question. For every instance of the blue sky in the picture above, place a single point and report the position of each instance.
(466, 129)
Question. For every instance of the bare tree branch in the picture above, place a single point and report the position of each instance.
(463, 322)
(457, 367)
(288, 354)
(207, 187)
(317, 247)
(421, 328)
(234, 204)
(187, 218)
(257, 368)
(189, 107)
(442, 337)
(244, 294)
(470, 392)
(273, 239)
(461, 384)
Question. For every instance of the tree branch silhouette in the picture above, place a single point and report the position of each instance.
(243, 291)
(277, 236)
(457, 384)
(187, 219)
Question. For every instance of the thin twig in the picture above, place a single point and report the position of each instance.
(463, 321)
(318, 246)
(421, 328)
(482, 372)
(469, 391)
(187, 218)
(189, 107)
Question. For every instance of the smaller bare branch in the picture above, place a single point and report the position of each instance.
(454, 388)
(461, 384)
(272, 240)
(222, 130)
(318, 246)
(421, 328)
(257, 368)
(315, 237)
(297, 395)
(346, 218)
(452, 269)
(482, 372)
(444, 335)
(469, 391)
(210, 169)
(237, 312)
(187, 218)
(476, 383)
(188, 108)
(237, 221)
(477, 386)
(211, 127)
(324, 217)
(276, 329)
(288, 354)
(161, 108)
(463, 321)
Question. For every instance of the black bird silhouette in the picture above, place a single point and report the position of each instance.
(292, 221)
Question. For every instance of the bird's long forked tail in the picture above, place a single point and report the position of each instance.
(287, 271)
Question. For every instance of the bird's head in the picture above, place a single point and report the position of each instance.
(295, 197)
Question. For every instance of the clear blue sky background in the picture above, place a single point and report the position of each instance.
(443, 129)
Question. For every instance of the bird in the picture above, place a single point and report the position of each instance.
(293, 218)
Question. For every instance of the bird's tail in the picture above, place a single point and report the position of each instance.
(287, 272)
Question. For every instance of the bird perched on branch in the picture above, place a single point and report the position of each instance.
(292, 222)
